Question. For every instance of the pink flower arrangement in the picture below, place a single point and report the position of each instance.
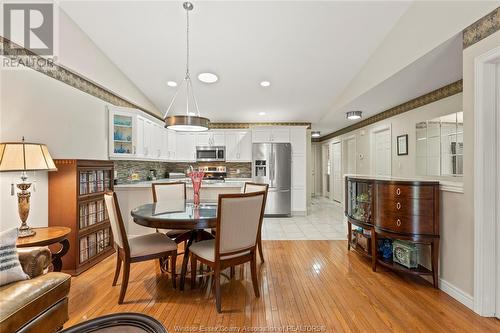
(196, 179)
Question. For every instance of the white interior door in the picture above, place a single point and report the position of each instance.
(350, 156)
(337, 171)
(381, 155)
(325, 158)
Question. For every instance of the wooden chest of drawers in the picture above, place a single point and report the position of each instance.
(409, 209)
(395, 209)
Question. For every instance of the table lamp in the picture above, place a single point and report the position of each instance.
(24, 156)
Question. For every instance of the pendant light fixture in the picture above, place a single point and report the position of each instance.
(192, 121)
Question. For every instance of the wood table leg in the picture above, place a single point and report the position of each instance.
(435, 261)
(349, 235)
(56, 256)
(185, 260)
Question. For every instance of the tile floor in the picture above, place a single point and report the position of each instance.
(325, 221)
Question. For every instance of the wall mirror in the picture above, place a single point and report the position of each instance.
(439, 146)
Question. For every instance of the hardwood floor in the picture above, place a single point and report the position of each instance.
(304, 283)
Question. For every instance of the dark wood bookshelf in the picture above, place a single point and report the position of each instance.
(76, 200)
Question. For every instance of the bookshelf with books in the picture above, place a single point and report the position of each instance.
(76, 200)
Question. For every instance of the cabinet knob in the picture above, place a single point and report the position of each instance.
(398, 205)
(398, 222)
(398, 191)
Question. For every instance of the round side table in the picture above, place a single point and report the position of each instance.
(48, 236)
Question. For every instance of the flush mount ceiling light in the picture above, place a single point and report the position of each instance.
(191, 121)
(354, 115)
(265, 83)
(172, 84)
(315, 134)
(208, 77)
(262, 113)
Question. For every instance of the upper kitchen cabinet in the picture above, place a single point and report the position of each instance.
(271, 134)
(298, 139)
(122, 132)
(238, 146)
(185, 147)
(210, 138)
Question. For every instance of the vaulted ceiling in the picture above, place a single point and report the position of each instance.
(308, 50)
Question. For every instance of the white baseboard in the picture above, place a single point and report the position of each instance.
(457, 293)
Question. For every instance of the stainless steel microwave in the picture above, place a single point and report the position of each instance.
(210, 153)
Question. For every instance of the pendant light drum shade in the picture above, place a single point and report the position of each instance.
(187, 123)
(191, 121)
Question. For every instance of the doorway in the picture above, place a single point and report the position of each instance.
(381, 151)
(325, 170)
(487, 184)
(350, 155)
(337, 171)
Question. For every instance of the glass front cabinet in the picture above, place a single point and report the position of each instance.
(359, 201)
(123, 133)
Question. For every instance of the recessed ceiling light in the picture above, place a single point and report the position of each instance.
(315, 134)
(262, 113)
(265, 83)
(208, 77)
(172, 84)
(354, 115)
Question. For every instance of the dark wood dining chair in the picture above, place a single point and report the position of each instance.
(239, 218)
(257, 187)
(141, 248)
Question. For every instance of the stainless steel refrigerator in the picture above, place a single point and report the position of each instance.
(271, 164)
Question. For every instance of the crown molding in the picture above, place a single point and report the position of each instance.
(431, 97)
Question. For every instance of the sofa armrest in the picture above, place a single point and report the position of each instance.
(34, 260)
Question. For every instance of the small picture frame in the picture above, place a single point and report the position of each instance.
(402, 141)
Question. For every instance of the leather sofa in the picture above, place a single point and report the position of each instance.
(39, 304)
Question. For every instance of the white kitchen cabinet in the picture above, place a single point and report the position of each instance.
(164, 156)
(172, 145)
(210, 138)
(122, 132)
(139, 151)
(299, 183)
(298, 139)
(238, 146)
(185, 147)
(270, 134)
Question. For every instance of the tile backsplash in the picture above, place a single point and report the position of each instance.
(124, 169)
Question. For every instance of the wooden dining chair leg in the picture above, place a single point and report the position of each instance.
(253, 268)
(217, 289)
(232, 272)
(259, 245)
(118, 267)
(123, 290)
(173, 262)
(193, 270)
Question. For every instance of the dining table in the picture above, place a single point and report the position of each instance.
(179, 215)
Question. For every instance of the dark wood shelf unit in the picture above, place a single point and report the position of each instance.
(395, 209)
(76, 200)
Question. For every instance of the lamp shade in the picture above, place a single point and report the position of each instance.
(25, 156)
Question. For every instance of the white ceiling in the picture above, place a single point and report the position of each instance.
(308, 50)
(441, 66)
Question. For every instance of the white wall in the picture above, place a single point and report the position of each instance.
(79, 53)
(71, 123)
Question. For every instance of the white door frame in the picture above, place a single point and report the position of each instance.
(485, 171)
(324, 169)
(344, 141)
(332, 177)
(375, 130)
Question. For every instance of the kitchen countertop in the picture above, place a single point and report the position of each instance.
(229, 182)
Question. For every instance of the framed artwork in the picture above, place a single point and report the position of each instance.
(402, 144)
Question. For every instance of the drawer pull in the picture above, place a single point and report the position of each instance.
(398, 205)
(398, 191)
(398, 222)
